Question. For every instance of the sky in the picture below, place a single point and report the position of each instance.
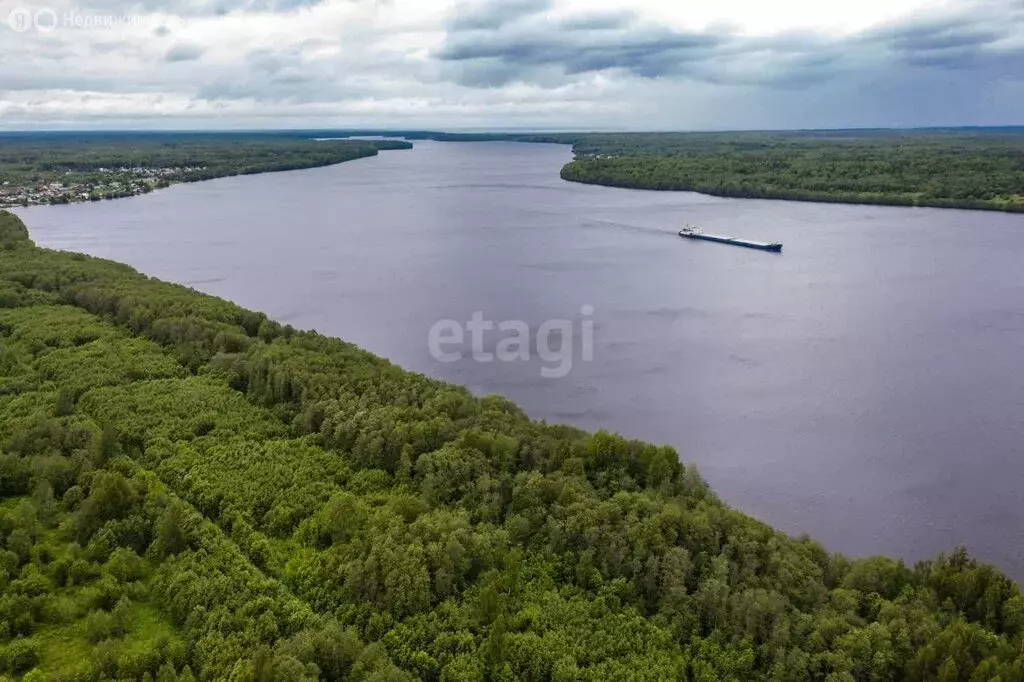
(510, 64)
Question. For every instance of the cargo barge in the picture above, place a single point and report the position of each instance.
(695, 233)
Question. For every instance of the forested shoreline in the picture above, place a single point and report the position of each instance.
(59, 169)
(193, 491)
(983, 171)
(980, 169)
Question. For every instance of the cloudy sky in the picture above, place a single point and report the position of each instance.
(504, 64)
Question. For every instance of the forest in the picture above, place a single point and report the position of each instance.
(977, 169)
(952, 168)
(192, 491)
(60, 168)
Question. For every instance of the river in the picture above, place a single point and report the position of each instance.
(866, 386)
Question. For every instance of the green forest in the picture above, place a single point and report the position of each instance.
(60, 168)
(955, 168)
(975, 168)
(192, 491)
(950, 169)
(42, 157)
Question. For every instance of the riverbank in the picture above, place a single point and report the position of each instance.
(979, 168)
(42, 169)
(658, 174)
(377, 267)
(191, 489)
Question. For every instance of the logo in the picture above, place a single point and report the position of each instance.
(20, 19)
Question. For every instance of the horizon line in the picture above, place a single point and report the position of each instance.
(501, 130)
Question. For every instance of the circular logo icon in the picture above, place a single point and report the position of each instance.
(45, 20)
(20, 19)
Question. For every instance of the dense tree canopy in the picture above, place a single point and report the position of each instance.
(58, 168)
(12, 231)
(963, 168)
(983, 170)
(191, 491)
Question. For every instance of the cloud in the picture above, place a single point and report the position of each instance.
(604, 21)
(940, 36)
(184, 53)
(531, 51)
(983, 41)
(488, 63)
(643, 51)
(490, 15)
(194, 8)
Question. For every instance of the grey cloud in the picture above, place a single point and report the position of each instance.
(645, 52)
(965, 67)
(964, 42)
(270, 61)
(184, 53)
(284, 75)
(530, 51)
(70, 81)
(493, 73)
(599, 22)
(108, 47)
(950, 59)
(199, 8)
(490, 15)
(290, 87)
(940, 34)
(1009, 63)
(290, 79)
(268, 5)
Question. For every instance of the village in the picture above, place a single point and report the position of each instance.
(72, 186)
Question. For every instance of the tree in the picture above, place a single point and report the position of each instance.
(170, 535)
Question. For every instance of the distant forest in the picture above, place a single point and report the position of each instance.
(191, 491)
(977, 168)
(50, 157)
(87, 165)
(958, 170)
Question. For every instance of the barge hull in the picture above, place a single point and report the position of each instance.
(762, 246)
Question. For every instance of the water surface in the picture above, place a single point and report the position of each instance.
(866, 386)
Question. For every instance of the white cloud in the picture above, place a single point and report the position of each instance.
(501, 63)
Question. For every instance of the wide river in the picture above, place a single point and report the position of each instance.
(866, 386)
